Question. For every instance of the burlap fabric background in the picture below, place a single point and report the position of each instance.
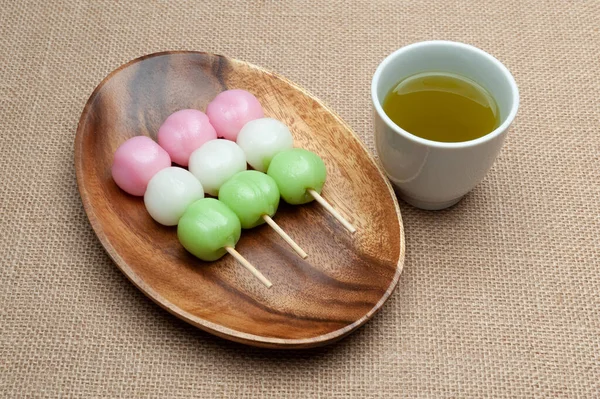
(500, 296)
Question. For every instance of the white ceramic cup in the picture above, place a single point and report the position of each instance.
(431, 174)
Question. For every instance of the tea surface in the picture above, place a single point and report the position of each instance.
(442, 107)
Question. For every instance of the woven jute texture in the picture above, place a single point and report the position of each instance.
(500, 295)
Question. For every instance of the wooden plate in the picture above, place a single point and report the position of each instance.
(345, 279)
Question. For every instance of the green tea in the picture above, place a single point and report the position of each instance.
(442, 107)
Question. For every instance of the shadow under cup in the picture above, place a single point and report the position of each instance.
(430, 174)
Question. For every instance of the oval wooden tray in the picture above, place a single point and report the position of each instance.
(345, 279)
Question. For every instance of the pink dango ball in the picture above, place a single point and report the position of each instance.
(231, 110)
(183, 132)
(136, 161)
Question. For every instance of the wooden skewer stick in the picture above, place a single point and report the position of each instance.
(284, 235)
(248, 266)
(331, 210)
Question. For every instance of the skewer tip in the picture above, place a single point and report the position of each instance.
(285, 236)
(332, 211)
(249, 266)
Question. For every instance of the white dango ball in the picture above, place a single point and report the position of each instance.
(262, 139)
(216, 162)
(169, 193)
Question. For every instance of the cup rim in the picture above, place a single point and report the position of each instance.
(440, 144)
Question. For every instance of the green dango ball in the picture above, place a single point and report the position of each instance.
(207, 227)
(250, 195)
(295, 171)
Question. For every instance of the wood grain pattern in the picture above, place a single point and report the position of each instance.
(315, 301)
